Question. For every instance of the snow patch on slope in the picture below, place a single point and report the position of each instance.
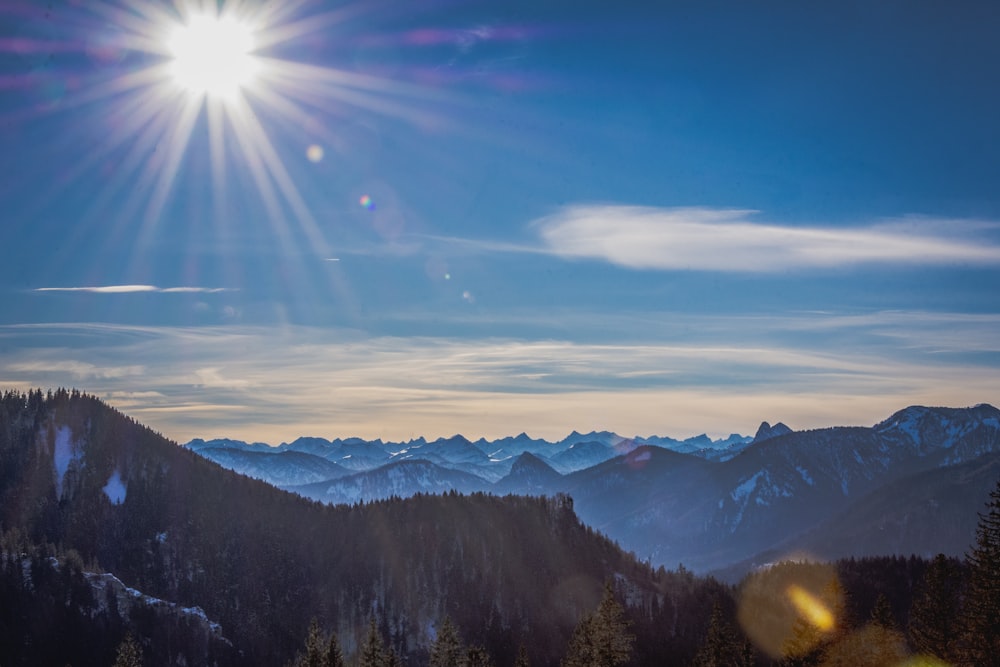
(116, 488)
(746, 487)
(65, 453)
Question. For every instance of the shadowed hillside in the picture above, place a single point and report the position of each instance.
(77, 475)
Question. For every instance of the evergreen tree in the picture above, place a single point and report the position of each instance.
(982, 604)
(882, 615)
(334, 656)
(447, 648)
(315, 655)
(522, 657)
(602, 639)
(129, 653)
(722, 647)
(476, 656)
(934, 615)
(372, 653)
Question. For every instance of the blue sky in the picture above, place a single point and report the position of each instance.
(490, 218)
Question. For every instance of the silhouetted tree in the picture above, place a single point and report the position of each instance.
(934, 615)
(476, 656)
(722, 647)
(447, 648)
(982, 604)
(334, 655)
(372, 652)
(882, 613)
(601, 639)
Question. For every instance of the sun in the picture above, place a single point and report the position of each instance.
(210, 77)
(212, 56)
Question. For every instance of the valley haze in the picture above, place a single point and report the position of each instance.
(909, 484)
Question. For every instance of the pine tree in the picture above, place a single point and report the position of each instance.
(722, 647)
(476, 656)
(372, 653)
(334, 656)
(934, 615)
(319, 653)
(982, 604)
(447, 648)
(882, 613)
(129, 653)
(314, 655)
(602, 639)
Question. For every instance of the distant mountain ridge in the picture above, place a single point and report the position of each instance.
(715, 507)
(490, 459)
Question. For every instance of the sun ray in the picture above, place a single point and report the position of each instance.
(215, 113)
(176, 145)
(150, 114)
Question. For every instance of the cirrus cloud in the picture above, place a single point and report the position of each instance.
(728, 240)
(131, 289)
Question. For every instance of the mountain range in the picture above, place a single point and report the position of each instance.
(910, 484)
(108, 530)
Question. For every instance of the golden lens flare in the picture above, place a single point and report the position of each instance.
(811, 608)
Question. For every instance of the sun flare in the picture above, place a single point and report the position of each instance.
(213, 56)
(213, 77)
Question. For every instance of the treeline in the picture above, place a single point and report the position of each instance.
(888, 611)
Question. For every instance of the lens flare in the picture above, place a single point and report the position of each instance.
(367, 202)
(785, 608)
(314, 153)
(811, 608)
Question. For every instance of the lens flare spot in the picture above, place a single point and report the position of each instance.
(811, 608)
(367, 202)
(314, 153)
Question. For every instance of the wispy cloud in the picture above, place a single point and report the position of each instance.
(731, 240)
(261, 383)
(128, 289)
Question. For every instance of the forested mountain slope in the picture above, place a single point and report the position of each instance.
(77, 475)
(708, 512)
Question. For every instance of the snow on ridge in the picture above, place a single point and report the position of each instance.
(106, 579)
